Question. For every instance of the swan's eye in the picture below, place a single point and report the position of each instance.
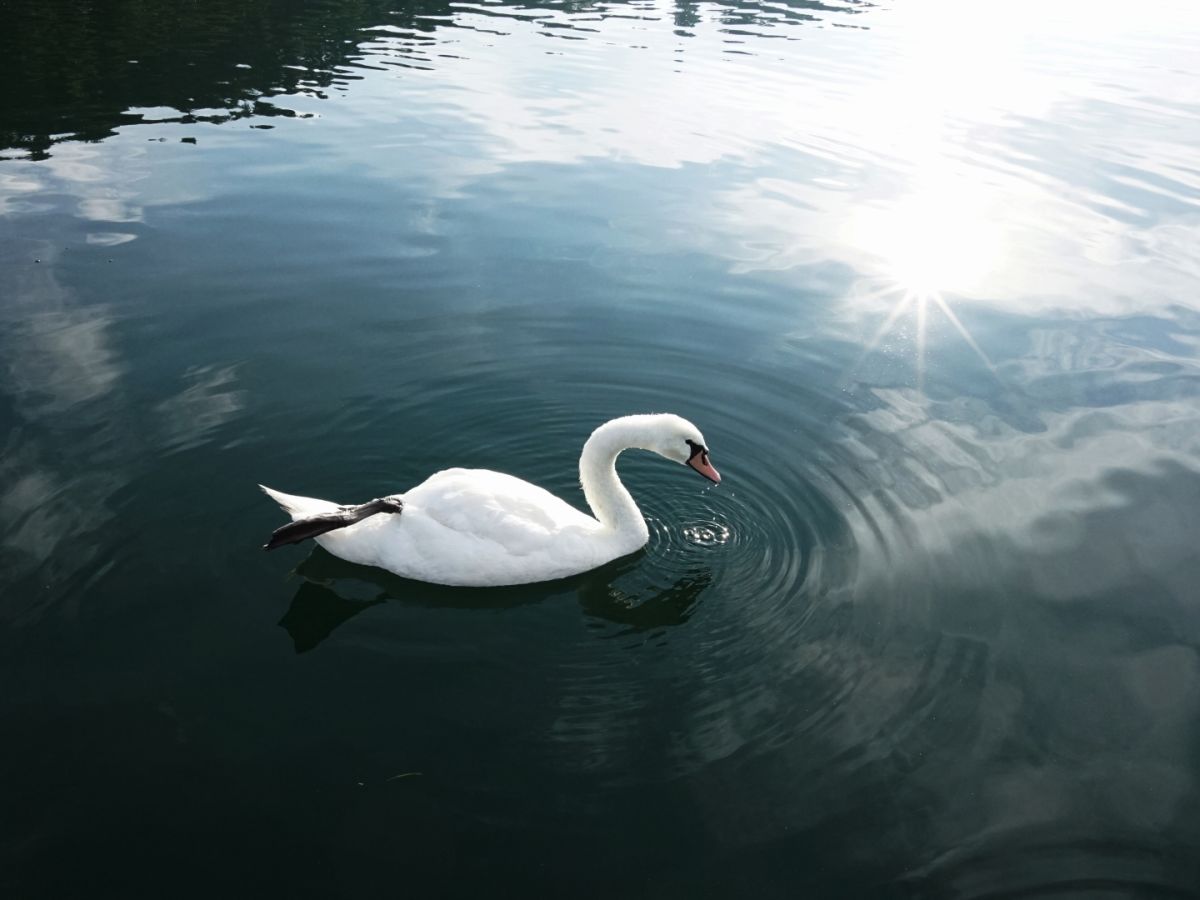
(697, 450)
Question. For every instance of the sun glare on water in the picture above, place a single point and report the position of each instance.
(926, 247)
(942, 234)
(930, 243)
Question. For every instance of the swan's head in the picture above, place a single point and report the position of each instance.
(678, 439)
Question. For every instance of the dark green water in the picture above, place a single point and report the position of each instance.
(926, 274)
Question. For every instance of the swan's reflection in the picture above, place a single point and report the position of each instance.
(643, 609)
(334, 591)
(315, 611)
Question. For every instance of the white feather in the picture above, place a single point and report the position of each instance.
(298, 507)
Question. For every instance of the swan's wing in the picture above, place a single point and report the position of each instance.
(476, 527)
(481, 505)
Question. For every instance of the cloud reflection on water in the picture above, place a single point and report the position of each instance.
(60, 369)
(932, 158)
(208, 402)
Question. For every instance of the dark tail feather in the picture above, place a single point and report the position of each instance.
(312, 526)
(303, 529)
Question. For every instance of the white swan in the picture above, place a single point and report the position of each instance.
(474, 527)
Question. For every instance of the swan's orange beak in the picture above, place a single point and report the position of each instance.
(699, 462)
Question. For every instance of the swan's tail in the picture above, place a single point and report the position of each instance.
(312, 518)
(299, 507)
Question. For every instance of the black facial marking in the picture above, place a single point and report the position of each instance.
(697, 450)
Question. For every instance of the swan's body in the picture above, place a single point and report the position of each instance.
(475, 527)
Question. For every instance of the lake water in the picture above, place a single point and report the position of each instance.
(927, 276)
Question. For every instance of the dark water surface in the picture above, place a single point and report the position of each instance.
(925, 274)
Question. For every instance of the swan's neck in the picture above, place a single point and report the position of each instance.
(611, 503)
